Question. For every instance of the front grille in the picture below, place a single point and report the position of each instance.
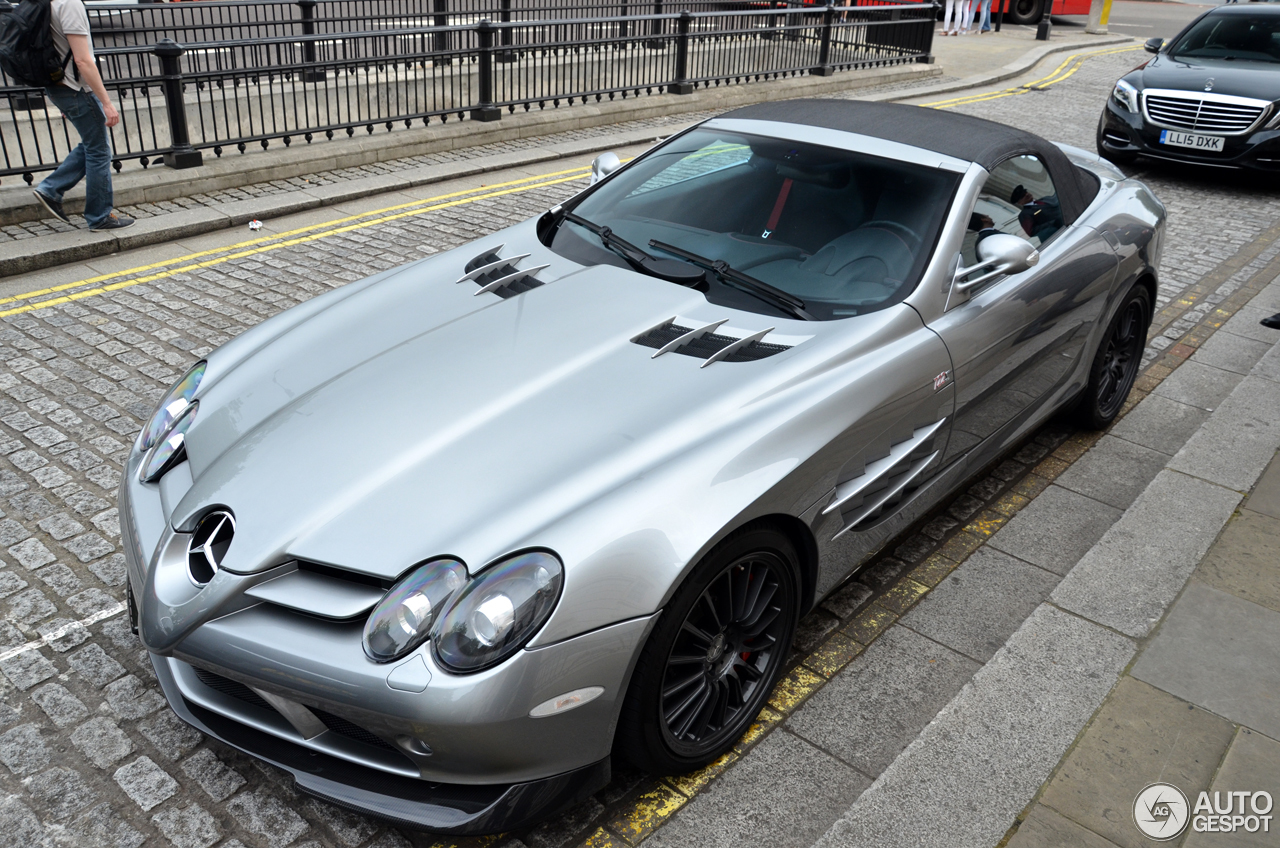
(230, 688)
(1202, 114)
(351, 730)
(337, 724)
(707, 345)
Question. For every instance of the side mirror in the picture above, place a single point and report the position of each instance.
(1153, 45)
(605, 164)
(998, 254)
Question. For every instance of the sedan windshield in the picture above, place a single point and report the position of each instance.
(840, 232)
(1253, 38)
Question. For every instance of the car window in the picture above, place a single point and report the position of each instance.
(845, 232)
(1231, 37)
(1018, 198)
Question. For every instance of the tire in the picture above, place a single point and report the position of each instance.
(717, 651)
(1023, 12)
(1116, 362)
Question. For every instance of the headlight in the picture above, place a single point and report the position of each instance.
(1126, 95)
(164, 452)
(498, 612)
(173, 405)
(402, 620)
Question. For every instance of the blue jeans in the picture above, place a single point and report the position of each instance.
(90, 161)
(984, 23)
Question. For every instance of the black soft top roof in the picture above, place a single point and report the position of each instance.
(949, 133)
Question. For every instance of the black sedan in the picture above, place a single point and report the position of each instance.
(1208, 96)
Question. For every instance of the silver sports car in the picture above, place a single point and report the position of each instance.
(443, 542)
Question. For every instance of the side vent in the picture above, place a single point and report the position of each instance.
(870, 496)
(498, 275)
(706, 344)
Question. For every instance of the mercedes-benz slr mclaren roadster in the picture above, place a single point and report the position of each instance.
(444, 542)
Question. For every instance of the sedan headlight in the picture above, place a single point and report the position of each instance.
(174, 403)
(402, 620)
(498, 612)
(1126, 95)
(164, 453)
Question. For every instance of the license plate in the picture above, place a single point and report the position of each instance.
(1211, 143)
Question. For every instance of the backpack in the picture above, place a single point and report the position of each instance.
(27, 52)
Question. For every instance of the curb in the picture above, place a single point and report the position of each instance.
(41, 252)
(1019, 66)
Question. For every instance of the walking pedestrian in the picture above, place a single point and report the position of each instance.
(83, 100)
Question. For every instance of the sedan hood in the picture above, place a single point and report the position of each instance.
(400, 425)
(1258, 80)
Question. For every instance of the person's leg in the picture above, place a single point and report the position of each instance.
(948, 16)
(90, 161)
(966, 16)
(984, 25)
(71, 170)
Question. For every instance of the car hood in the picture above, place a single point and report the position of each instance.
(1241, 79)
(403, 420)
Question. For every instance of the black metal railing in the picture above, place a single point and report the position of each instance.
(178, 102)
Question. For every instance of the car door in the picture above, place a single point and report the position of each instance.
(1015, 340)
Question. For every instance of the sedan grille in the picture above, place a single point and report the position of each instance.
(1218, 114)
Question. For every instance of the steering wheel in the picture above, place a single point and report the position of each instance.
(902, 230)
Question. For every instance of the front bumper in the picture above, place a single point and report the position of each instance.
(460, 756)
(1122, 133)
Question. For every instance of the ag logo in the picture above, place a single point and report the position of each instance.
(1160, 811)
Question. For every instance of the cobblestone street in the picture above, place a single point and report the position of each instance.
(90, 755)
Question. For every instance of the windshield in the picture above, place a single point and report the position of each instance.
(1234, 37)
(843, 232)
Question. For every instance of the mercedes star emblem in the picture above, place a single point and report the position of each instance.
(208, 546)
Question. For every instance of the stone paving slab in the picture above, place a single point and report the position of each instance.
(850, 717)
(1160, 424)
(1141, 735)
(1114, 472)
(1221, 652)
(968, 774)
(1246, 559)
(785, 793)
(1044, 828)
(1252, 763)
(1199, 385)
(1132, 575)
(1233, 447)
(976, 608)
(1059, 527)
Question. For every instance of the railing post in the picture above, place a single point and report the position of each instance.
(308, 9)
(771, 24)
(791, 23)
(824, 68)
(181, 154)
(624, 26)
(506, 54)
(440, 18)
(1045, 27)
(657, 29)
(485, 110)
(682, 84)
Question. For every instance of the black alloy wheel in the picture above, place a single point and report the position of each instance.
(714, 656)
(728, 644)
(1115, 366)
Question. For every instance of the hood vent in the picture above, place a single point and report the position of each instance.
(706, 344)
(501, 276)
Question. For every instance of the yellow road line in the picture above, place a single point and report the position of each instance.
(577, 172)
(1068, 67)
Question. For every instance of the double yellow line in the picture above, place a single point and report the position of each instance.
(1068, 67)
(265, 244)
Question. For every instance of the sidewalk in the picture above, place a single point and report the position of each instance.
(231, 191)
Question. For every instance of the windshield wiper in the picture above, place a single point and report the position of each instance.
(775, 297)
(628, 251)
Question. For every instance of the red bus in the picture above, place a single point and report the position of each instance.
(1015, 11)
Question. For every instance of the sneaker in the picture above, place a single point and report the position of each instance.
(114, 222)
(54, 206)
